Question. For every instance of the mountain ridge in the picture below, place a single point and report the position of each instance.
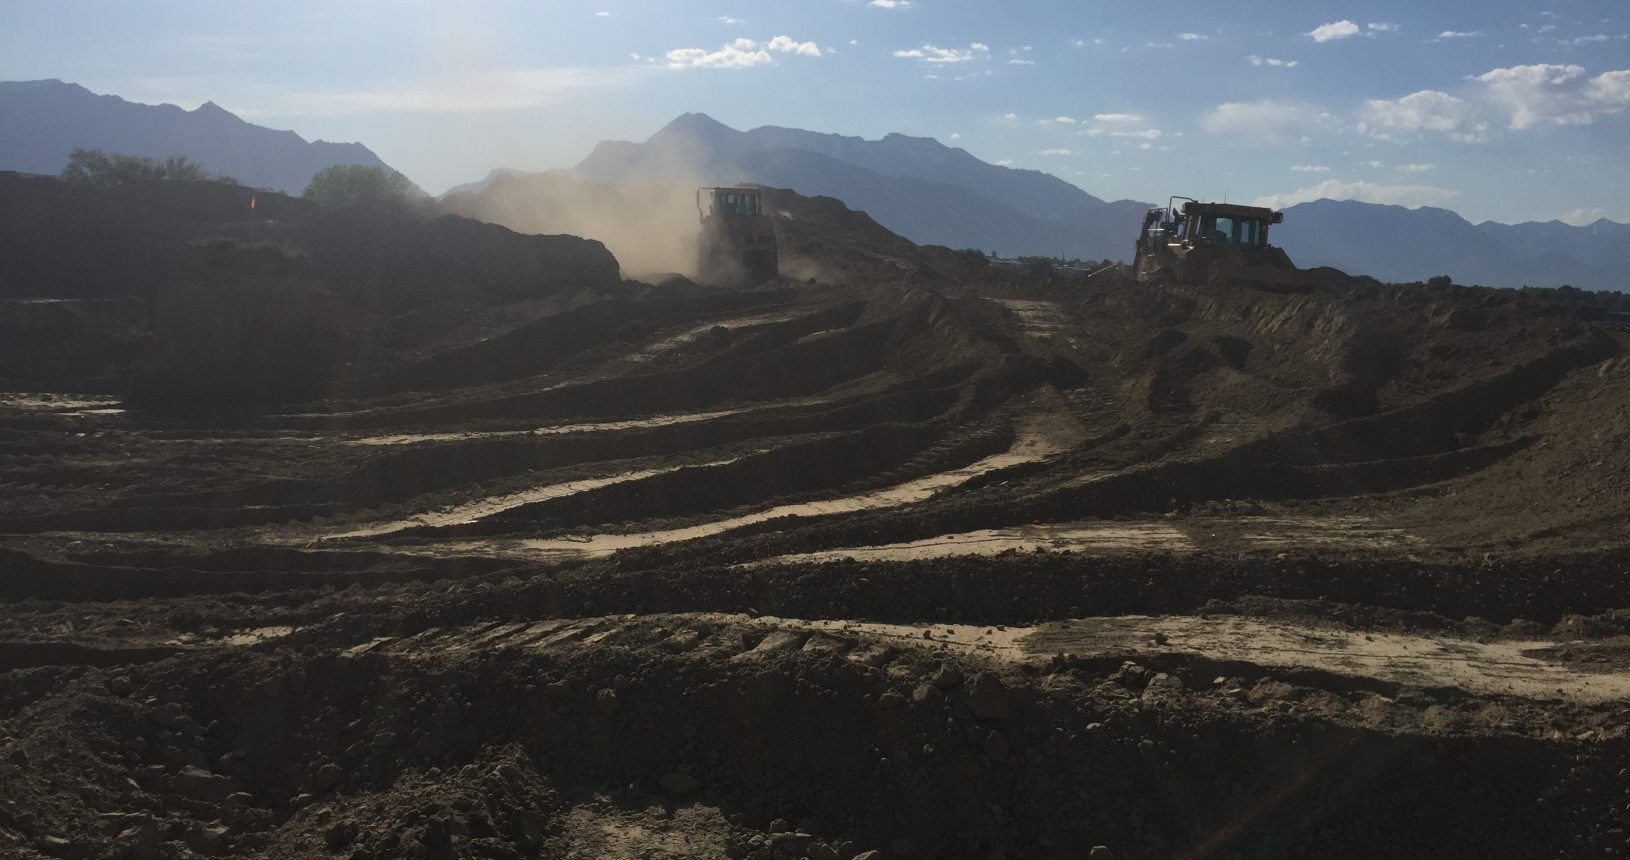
(42, 121)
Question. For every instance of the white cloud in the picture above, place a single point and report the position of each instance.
(1266, 121)
(1610, 89)
(1003, 162)
(1082, 43)
(1063, 120)
(1117, 117)
(934, 54)
(1448, 35)
(789, 45)
(980, 47)
(1270, 61)
(1010, 115)
(1542, 93)
(1375, 164)
(1141, 134)
(1367, 192)
(1021, 62)
(1193, 37)
(1057, 151)
(1310, 168)
(1416, 168)
(731, 19)
(740, 54)
(1585, 40)
(1333, 31)
(956, 135)
(1383, 27)
(891, 4)
(602, 14)
(1427, 110)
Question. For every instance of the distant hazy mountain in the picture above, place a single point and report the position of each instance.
(917, 187)
(1397, 244)
(42, 121)
(935, 194)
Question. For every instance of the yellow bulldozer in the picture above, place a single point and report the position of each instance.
(1215, 243)
(737, 246)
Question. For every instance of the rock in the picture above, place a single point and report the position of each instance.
(926, 693)
(608, 702)
(868, 855)
(140, 842)
(1131, 675)
(241, 798)
(340, 834)
(208, 841)
(120, 686)
(780, 825)
(996, 746)
(822, 851)
(526, 829)
(679, 784)
(200, 784)
(437, 834)
(328, 776)
(947, 677)
(989, 700)
(1162, 688)
(1101, 852)
(18, 756)
(890, 699)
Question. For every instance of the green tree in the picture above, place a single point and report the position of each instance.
(356, 184)
(100, 169)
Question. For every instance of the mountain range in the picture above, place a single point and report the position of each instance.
(42, 121)
(935, 194)
(919, 188)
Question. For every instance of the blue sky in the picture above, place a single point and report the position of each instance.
(1505, 109)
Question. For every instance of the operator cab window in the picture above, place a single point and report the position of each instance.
(1221, 230)
(738, 204)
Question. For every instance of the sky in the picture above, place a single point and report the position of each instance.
(1510, 110)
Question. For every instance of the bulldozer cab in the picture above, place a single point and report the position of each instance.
(1204, 243)
(738, 244)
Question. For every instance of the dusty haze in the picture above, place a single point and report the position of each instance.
(652, 229)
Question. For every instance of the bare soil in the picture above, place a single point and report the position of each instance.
(917, 557)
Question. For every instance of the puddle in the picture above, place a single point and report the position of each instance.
(561, 429)
(1072, 537)
(470, 512)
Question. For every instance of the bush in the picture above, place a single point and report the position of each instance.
(359, 185)
(100, 169)
(252, 258)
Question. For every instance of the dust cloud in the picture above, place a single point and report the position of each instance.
(652, 229)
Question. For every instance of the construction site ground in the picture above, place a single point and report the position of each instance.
(1021, 565)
